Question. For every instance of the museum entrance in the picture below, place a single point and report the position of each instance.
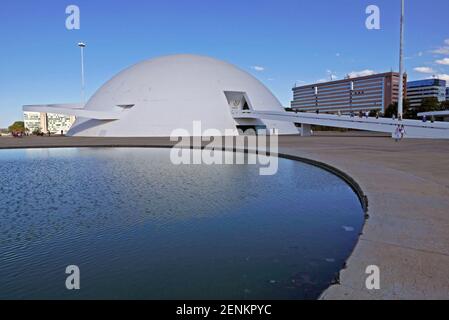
(252, 130)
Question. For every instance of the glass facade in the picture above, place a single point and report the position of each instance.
(428, 88)
(426, 83)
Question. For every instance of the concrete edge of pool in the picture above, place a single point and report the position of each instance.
(406, 235)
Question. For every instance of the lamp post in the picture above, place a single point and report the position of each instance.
(82, 46)
(401, 64)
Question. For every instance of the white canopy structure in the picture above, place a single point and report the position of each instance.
(157, 96)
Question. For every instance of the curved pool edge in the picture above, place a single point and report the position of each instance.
(355, 186)
(351, 182)
(408, 201)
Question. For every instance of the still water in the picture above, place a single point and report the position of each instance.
(139, 227)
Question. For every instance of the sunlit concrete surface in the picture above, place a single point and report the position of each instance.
(407, 185)
(407, 233)
(413, 128)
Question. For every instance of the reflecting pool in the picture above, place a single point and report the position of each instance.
(139, 227)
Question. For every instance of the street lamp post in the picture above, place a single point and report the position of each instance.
(401, 65)
(82, 46)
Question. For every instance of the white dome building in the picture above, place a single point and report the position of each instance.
(157, 96)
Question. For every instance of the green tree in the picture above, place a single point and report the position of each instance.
(373, 113)
(444, 105)
(18, 126)
(37, 132)
(393, 110)
(429, 104)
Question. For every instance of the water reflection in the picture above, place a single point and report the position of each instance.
(140, 227)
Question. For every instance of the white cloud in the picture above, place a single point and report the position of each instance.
(424, 70)
(444, 61)
(420, 54)
(442, 50)
(338, 54)
(363, 73)
(258, 68)
(446, 41)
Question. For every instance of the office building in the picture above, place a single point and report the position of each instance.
(429, 88)
(375, 92)
(47, 122)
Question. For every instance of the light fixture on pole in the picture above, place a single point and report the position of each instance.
(401, 64)
(82, 46)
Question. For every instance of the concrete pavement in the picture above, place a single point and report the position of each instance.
(407, 185)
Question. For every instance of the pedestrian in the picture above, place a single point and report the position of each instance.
(402, 131)
(366, 114)
(397, 133)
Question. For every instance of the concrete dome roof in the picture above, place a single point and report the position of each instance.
(157, 96)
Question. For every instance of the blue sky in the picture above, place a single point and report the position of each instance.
(289, 41)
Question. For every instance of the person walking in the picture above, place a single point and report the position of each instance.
(397, 133)
(402, 131)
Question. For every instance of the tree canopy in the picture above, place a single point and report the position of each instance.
(429, 104)
(18, 126)
(393, 109)
(445, 105)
